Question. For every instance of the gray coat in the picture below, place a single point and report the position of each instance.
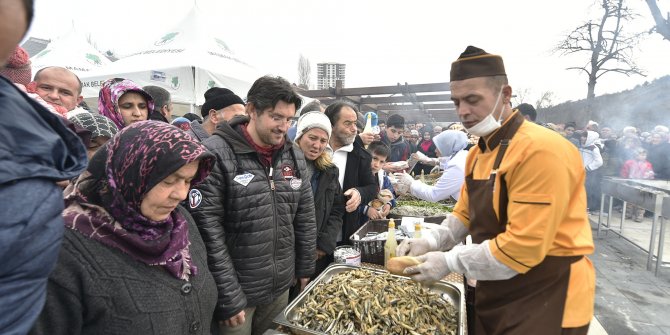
(96, 289)
(258, 238)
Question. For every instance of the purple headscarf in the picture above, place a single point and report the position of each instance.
(110, 93)
(105, 203)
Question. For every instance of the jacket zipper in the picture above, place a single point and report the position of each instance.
(274, 219)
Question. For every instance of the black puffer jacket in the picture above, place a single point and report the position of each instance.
(257, 238)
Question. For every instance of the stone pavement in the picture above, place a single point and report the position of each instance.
(629, 299)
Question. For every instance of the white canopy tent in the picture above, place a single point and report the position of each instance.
(187, 61)
(72, 52)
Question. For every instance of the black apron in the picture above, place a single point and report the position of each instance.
(530, 303)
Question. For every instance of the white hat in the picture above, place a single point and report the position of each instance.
(313, 120)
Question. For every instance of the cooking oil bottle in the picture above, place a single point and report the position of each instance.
(417, 230)
(391, 243)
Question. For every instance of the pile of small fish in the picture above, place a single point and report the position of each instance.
(362, 302)
(420, 208)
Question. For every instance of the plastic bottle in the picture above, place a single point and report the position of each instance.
(391, 243)
(417, 230)
(368, 126)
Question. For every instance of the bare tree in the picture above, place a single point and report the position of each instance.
(520, 96)
(304, 72)
(545, 100)
(610, 47)
(662, 23)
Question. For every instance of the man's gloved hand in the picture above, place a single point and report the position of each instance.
(433, 267)
(415, 246)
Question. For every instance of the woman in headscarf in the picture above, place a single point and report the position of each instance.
(451, 151)
(312, 136)
(101, 127)
(125, 102)
(132, 260)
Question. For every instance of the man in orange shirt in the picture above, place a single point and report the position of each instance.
(524, 204)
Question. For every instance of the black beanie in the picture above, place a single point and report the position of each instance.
(218, 98)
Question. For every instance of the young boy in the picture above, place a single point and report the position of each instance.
(393, 137)
(380, 207)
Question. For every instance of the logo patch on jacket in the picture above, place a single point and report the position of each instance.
(244, 179)
(287, 172)
(194, 198)
(295, 183)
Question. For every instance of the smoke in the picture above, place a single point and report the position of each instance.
(643, 107)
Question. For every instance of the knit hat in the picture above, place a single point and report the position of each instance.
(449, 142)
(311, 120)
(218, 98)
(18, 68)
(475, 62)
(97, 124)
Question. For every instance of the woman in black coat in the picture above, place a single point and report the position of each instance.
(312, 136)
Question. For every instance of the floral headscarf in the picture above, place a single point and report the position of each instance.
(110, 93)
(105, 204)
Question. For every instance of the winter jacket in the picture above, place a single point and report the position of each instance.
(197, 131)
(400, 149)
(357, 174)
(590, 152)
(329, 208)
(659, 157)
(36, 150)
(257, 222)
(635, 169)
(96, 289)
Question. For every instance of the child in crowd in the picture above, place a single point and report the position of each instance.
(379, 208)
(638, 168)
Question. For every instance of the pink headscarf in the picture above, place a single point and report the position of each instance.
(110, 93)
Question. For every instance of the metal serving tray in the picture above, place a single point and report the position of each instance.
(448, 291)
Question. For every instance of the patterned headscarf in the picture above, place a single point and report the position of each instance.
(105, 204)
(97, 124)
(110, 93)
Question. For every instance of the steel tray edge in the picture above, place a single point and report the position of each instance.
(333, 269)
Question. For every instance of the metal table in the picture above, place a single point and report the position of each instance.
(652, 195)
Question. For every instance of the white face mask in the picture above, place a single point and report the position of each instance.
(489, 124)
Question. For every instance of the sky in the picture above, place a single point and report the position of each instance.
(381, 42)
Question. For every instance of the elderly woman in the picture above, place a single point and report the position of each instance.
(101, 127)
(124, 102)
(312, 136)
(132, 261)
(451, 146)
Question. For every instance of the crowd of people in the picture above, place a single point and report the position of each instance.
(132, 220)
(629, 152)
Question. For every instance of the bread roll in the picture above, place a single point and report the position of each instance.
(397, 265)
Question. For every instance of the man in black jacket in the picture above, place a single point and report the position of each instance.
(353, 162)
(162, 103)
(255, 211)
